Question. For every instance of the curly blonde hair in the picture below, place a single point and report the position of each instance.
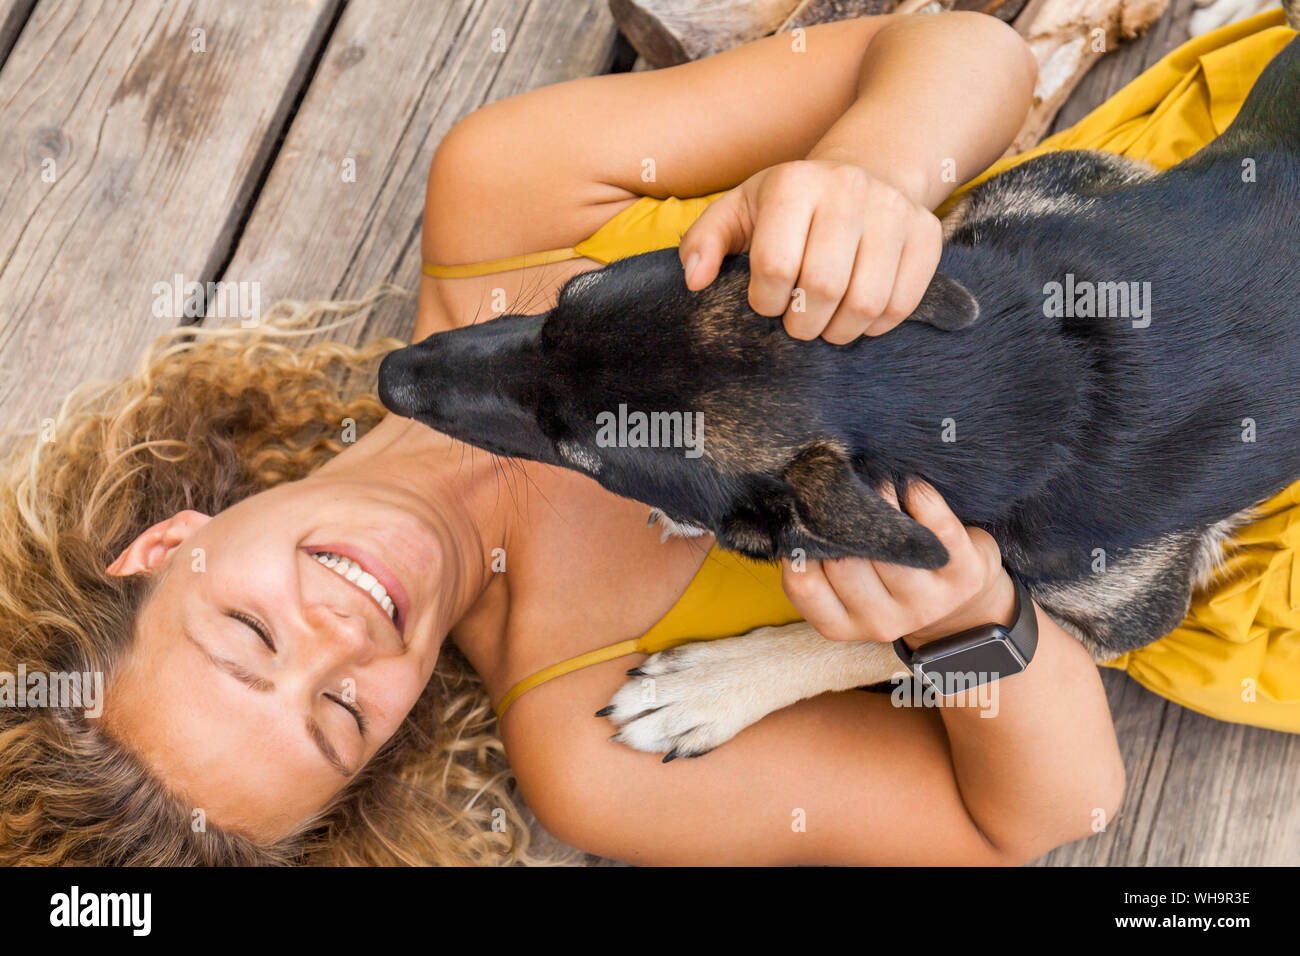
(209, 418)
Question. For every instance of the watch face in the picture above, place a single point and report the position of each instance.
(972, 666)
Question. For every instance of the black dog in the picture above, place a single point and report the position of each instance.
(1104, 374)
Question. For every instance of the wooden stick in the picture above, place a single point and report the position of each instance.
(811, 12)
(668, 32)
(1068, 37)
(824, 11)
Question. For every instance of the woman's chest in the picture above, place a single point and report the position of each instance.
(582, 569)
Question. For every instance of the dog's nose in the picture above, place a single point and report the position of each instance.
(399, 382)
(478, 360)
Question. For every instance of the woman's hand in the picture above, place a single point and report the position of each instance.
(854, 599)
(837, 251)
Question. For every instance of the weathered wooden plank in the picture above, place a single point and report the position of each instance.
(1139, 718)
(1228, 797)
(392, 82)
(1201, 792)
(133, 136)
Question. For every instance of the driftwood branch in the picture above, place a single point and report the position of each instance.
(1068, 37)
(1006, 10)
(809, 13)
(668, 32)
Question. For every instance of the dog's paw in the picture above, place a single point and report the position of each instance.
(691, 698)
(687, 700)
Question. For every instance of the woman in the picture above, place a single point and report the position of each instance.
(263, 707)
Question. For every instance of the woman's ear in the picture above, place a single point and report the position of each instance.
(149, 550)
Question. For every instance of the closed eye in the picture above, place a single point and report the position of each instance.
(352, 709)
(256, 626)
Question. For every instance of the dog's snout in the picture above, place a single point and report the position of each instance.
(399, 382)
(460, 366)
(478, 384)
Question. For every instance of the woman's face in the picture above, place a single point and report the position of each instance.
(261, 680)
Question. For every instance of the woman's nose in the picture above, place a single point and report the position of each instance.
(337, 633)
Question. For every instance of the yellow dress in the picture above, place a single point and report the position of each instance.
(1237, 655)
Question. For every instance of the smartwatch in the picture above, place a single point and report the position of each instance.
(979, 655)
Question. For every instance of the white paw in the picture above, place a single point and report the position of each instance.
(691, 698)
(687, 700)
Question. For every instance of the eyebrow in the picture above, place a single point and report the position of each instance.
(264, 686)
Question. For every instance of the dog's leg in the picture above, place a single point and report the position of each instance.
(689, 699)
(1141, 595)
(1057, 183)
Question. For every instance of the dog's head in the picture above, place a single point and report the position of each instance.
(687, 401)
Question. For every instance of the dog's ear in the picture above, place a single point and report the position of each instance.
(947, 305)
(842, 516)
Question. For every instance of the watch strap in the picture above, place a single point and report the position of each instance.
(1023, 632)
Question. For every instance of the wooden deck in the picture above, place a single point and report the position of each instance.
(225, 165)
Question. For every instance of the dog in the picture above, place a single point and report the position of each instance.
(1104, 374)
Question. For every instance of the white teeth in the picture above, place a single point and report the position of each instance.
(360, 577)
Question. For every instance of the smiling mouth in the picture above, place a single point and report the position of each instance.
(355, 574)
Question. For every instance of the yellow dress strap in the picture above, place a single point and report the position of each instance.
(598, 656)
(500, 265)
(730, 594)
(646, 225)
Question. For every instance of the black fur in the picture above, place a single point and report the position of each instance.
(1074, 436)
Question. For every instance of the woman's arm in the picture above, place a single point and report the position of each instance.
(545, 169)
(1052, 747)
(1047, 768)
(939, 98)
(843, 778)
(849, 778)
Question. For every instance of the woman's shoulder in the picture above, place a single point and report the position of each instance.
(583, 571)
